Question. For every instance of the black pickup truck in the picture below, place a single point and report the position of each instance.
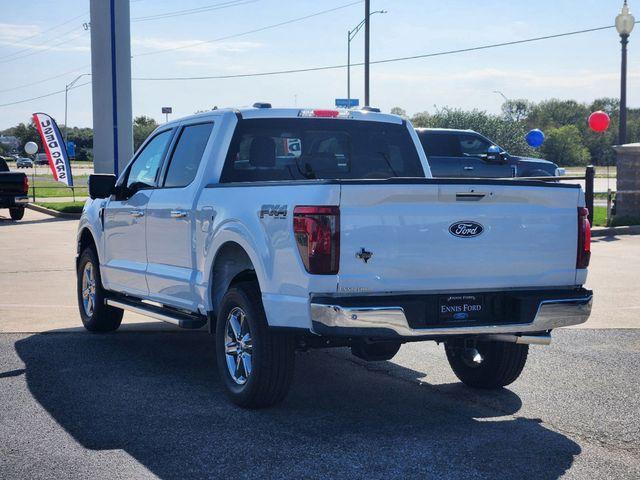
(14, 188)
(465, 153)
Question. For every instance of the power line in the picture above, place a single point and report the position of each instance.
(39, 34)
(51, 94)
(333, 67)
(388, 60)
(42, 50)
(256, 30)
(44, 79)
(191, 11)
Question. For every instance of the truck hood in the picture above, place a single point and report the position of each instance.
(540, 161)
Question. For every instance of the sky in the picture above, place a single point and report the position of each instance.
(581, 67)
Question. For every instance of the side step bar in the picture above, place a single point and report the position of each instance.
(182, 320)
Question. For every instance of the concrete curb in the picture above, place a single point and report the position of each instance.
(615, 231)
(53, 213)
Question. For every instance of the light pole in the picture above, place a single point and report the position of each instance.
(501, 94)
(351, 34)
(66, 102)
(624, 24)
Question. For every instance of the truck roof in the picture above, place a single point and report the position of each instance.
(253, 112)
(445, 130)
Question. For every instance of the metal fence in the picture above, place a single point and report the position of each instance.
(588, 177)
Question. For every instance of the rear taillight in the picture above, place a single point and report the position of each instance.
(25, 184)
(584, 238)
(317, 233)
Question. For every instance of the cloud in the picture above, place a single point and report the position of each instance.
(28, 38)
(523, 78)
(11, 32)
(192, 46)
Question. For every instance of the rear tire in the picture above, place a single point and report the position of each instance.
(16, 213)
(501, 363)
(255, 364)
(96, 315)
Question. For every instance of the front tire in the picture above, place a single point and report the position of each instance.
(488, 365)
(96, 315)
(255, 364)
(16, 213)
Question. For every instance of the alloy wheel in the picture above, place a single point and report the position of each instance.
(88, 289)
(238, 346)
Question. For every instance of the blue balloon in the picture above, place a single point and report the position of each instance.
(535, 138)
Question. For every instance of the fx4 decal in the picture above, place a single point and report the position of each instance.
(275, 211)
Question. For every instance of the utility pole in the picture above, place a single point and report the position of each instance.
(367, 15)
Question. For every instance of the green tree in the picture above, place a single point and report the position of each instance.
(83, 139)
(564, 146)
(517, 110)
(142, 128)
(401, 112)
(556, 113)
(25, 133)
(506, 133)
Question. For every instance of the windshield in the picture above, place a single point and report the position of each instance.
(310, 148)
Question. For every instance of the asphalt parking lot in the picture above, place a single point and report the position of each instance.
(146, 401)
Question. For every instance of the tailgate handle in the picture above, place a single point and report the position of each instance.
(469, 196)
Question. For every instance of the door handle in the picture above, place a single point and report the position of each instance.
(178, 214)
(136, 213)
(468, 168)
(469, 196)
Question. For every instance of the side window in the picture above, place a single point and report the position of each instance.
(473, 145)
(440, 145)
(187, 154)
(144, 169)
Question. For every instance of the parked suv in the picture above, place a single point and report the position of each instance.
(24, 162)
(289, 229)
(42, 159)
(465, 153)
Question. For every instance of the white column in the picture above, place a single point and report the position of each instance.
(111, 84)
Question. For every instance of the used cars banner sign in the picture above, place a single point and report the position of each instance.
(54, 148)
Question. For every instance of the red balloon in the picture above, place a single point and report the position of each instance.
(599, 121)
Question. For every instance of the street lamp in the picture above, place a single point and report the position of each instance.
(351, 34)
(624, 24)
(498, 92)
(66, 95)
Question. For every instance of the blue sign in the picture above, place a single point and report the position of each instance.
(71, 149)
(347, 103)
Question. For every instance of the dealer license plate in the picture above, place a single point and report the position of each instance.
(461, 308)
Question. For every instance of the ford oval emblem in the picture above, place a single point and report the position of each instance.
(466, 229)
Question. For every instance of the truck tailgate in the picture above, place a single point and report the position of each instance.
(509, 235)
(12, 183)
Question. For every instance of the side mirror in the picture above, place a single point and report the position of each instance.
(101, 185)
(495, 155)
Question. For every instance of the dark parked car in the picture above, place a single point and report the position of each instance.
(24, 162)
(42, 159)
(465, 153)
(14, 188)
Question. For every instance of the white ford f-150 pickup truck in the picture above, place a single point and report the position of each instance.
(289, 229)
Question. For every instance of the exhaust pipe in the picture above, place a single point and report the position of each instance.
(544, 339)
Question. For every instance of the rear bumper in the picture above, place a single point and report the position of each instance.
(13, 201)
(368, 317)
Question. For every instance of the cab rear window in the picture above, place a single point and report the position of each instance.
(303, 149)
